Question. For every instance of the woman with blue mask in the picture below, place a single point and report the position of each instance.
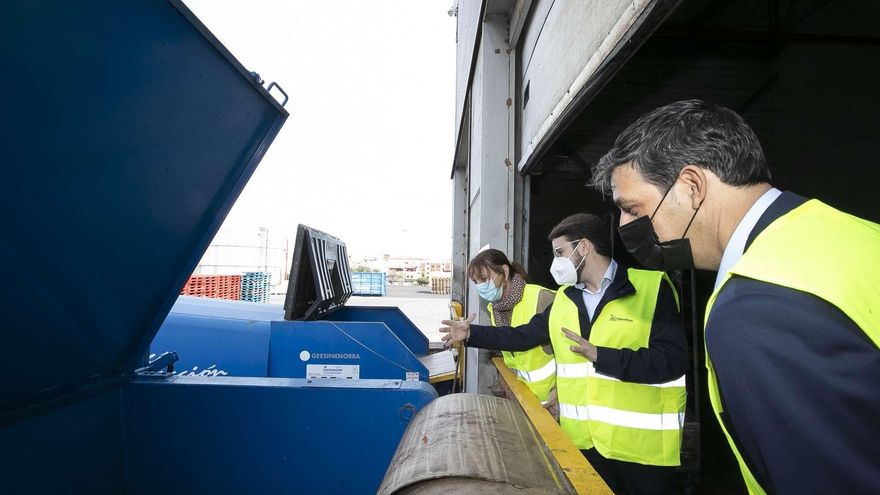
(512, 301)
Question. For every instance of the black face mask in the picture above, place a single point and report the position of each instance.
(642, 242)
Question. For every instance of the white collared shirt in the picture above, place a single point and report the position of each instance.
(736, 246)
(592, 299)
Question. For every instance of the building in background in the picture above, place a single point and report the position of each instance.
(403, 269)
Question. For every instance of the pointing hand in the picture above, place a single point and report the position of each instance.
(456, 331)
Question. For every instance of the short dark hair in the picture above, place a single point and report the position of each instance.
(691, 132)
(585, 226)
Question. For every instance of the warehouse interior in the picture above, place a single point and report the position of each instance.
(803, 73)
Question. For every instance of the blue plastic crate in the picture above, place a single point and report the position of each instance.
(368, 283)
(255, 287)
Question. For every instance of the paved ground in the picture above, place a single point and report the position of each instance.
(417, 303)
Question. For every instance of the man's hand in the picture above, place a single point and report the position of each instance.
(582, 346)
(456, 331)
(552, 404)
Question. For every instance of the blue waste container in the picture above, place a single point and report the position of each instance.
(128, 131)
(368, 283)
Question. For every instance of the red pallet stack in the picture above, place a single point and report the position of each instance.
(215, 286)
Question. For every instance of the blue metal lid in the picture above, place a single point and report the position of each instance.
(128, 131)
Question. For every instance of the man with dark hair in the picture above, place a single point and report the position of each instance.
(584, 226)
(793, 325)
(621, 355)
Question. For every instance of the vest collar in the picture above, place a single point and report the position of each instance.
(786, 202)
(737, 243)
(620, 287)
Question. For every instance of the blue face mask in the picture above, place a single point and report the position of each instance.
(489, 291)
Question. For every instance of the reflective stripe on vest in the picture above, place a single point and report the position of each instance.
(542, 373)
(584, 370)
(626, 421)
(818, 250)
(534, 367)
(617, 417)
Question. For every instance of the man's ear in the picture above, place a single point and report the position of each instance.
(585, 247)
(694, 182)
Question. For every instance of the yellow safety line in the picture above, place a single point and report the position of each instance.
(580, 473)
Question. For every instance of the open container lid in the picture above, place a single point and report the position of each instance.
(128, 132)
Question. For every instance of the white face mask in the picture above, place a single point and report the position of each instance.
(563, 270)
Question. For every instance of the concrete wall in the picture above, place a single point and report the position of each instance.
(491, 175)
(468, 18)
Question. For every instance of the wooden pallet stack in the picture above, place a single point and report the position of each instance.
(255, 287)
(440, 285)
(215, 286)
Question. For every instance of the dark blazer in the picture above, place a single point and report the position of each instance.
(800, 383)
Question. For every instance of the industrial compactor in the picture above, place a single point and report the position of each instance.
(128, 133)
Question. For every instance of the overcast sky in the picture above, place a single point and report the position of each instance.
(367, 151)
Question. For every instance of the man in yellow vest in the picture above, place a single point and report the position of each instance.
(621, 355)
(793, 326)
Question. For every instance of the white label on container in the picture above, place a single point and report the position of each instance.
(412, 376)
(334, 371)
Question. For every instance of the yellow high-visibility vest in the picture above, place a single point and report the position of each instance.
(630, 422)
(818, 250)
(534, 367)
